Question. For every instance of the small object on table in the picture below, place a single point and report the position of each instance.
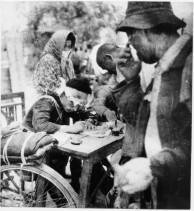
(98, 132)
(76, 141)
(116, 132)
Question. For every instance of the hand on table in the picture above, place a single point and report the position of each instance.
(134, 176)
(78, 127)
(110, 115)
(119, 125)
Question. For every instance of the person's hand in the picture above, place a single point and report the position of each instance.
(127, 66)
(78, 127)
(119, 125)
(89, 126)
(134, 176)
(110, 115)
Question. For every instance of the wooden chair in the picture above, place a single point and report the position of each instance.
(13, 106)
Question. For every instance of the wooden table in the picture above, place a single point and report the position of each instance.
(91, 150)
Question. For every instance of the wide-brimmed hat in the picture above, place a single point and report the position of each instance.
(145, 15)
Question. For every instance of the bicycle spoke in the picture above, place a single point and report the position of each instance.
(52, 193)
(33, 187)
(10, 198)
(12, 190)
(58, 205)
(12, 180)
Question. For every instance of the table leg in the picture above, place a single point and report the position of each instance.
(85, 183)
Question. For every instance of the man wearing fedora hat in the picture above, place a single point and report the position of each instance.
(163, 128)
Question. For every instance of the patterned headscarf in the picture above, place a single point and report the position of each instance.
(52, 65)
(56, 43)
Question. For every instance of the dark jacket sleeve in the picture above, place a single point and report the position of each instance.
(102, 95)
(175, 160)
(128, 95)
(42, 116)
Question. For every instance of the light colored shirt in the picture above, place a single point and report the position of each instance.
(152, 139)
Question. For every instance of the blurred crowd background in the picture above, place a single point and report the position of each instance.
(27, 26)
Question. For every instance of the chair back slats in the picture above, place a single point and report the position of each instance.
(13, 106)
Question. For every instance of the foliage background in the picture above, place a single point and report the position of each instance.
(86, 19)
(24, 22)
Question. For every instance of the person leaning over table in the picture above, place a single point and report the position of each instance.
(106, 108)
(46, 116)
(165, 131)
(52, 114)
(123, 97)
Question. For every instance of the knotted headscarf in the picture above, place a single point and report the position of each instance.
(53, 64)
(55, 45)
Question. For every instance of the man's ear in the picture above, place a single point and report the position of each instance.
(108, 58)
(111, 65)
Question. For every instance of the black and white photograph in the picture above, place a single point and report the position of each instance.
(96, 104)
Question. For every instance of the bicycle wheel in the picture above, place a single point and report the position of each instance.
(35, 186)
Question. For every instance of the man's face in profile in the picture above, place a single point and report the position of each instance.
(73, 99)
(144, 43)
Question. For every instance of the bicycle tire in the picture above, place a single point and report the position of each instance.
(40, 171)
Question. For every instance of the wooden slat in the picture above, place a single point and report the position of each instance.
(8, 102)
(12, 95)
(7, 105)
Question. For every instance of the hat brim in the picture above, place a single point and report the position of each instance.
(150, 20)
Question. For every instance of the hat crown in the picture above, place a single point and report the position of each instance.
(139, 7)
(146, 15)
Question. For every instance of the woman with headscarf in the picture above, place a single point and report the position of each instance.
(55, 63)
(51, 112)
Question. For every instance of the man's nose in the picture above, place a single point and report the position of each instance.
(129, 35)
(129, 40)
